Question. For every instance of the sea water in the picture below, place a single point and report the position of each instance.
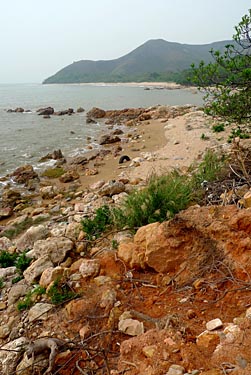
(26, 137)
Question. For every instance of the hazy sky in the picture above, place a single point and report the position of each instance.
(40, 37)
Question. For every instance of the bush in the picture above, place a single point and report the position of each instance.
(161, 199)
(218, 128)
(7, 259)
(94, 227)
(53, 172)
(60, 292)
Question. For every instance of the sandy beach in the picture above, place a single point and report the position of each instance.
(159, 145)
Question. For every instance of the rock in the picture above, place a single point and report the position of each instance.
(85, 332)
(80, 110)
(108, 139)
(68, 111)
(96, 113)
(108, 299)
(45, 111)
(149, 350)
(111, 188)
(5, 212)
(10, 198)
(16, 292)
(37, 268)
(33, 234)
(5, 243)
(69, 176)
(55, 248)
(10, 354)
(55, 155)
(9, 271)
(208, 340)
(89, 268)
(90, 120)
(214, 324)
(19, 110)
(4, 331)
(131, 327)
(175, 370)
(79, 160)
(48, 192)
(51, 274)
(73, 230)
(39, 312)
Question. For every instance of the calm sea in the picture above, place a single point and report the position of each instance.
(25, 137)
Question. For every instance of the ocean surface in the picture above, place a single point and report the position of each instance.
(26, 137)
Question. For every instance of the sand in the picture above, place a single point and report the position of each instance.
(175, 143)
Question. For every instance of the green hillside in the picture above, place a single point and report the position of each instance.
(155, 60)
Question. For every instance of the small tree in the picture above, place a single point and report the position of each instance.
(227, 79)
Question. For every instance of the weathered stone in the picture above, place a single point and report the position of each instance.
(4, 331)
(79, 160)
(176, 370)
(69, 176)
(16, 291)
(10, 354)
(33, 234)
(108, 299)
(55, 248)
(39, 312)
(5, 212)
(10, 197)
(149, 350)
(51, 274)
(80, 110)
(96, 113)
(48, 192)
(214, 324)
(55, 155)
(108, 139)
(131, 327)
(89, 268)
(24, 173)
(5, 243)
(37, 268)
(73, 230)
(111, 188)
(45, 111)
(208, 340)
(9, 271)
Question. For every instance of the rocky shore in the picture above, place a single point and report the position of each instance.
(173, 298)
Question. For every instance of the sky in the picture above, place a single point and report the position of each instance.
(40, 37)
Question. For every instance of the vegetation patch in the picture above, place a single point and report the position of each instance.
(29, 300)
(94, 227)
(60, 292)
(53, 172)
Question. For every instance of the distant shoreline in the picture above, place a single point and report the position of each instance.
(154, 85)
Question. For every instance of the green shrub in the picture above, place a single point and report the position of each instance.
(22, 262)
(94, 227)
(60, 292)
(218, 128)
(161, 199)
(204, 137)
(7, 259)
(53, 172)
(30, 298)
(210, 169)
(238, 132)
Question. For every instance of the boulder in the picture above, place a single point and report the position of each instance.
(55, 248)
(80, 110)
(10, 198)
(89, 268)
(51, 274)
(79, 160)
(24, 173)
(69, 176)
(33, 234)
(10, 355)
(108, 139)
(55, 155)
(48, 192)
(111, 188)
(5, 243)
(5, 212)
(45, 111)
(96, 113)
(39, 312)
(194, 239)
(37, 268)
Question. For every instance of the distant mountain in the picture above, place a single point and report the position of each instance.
(152, 61)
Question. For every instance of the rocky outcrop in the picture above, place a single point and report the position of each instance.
(96, 113)
(187, 246)
(108, 139)
(23, 174)
(45, 111)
